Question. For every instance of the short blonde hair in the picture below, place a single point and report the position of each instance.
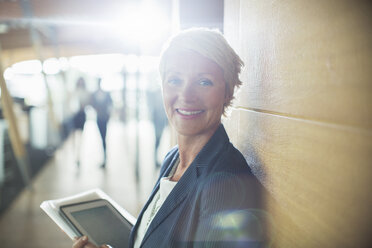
(212, 45)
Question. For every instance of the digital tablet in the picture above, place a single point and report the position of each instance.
(100, 221)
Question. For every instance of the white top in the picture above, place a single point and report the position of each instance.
(165, 187)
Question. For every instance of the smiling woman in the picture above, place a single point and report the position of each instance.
(205, 183)
(206, 194)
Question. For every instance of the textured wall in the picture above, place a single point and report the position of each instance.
(303, 118)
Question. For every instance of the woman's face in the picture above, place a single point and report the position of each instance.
(193, 92)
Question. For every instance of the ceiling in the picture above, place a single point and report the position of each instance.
(40, 29)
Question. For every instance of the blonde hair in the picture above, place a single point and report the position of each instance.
(212, 45)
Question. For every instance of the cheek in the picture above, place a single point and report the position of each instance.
(167, 98)
(217, 98)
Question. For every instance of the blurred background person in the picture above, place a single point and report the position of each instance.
(157, 116)
(102, 103)
(82, 97)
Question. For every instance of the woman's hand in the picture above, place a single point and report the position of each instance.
(83, 242)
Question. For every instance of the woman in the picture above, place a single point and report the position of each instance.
(206, 195)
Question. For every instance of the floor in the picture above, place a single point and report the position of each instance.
(24, 224)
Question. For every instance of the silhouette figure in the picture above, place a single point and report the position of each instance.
(102, 103)
(83, 98)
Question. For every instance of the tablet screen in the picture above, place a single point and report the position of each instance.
(100, 223)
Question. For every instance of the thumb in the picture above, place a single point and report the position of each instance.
(80, 242)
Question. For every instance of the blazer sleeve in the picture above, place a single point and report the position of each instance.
(230, 213)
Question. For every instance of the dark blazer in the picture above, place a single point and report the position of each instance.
(216, 203)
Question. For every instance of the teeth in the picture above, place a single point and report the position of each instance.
(184, 112)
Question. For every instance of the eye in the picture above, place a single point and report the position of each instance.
(174, 81)
(205, 82)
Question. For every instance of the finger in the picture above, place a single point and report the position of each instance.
(80, 242)
(90, 245)
(105, 246)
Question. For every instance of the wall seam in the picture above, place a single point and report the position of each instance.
(319, 122)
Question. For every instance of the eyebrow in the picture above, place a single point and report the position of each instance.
(206, 74)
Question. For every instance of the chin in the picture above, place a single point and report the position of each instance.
(191, 130)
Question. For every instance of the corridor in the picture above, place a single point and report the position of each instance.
(24, 224)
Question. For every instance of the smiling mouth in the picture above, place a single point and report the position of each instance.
(188, 113)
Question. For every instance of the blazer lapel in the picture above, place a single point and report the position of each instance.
(166, 171)
(177, 195)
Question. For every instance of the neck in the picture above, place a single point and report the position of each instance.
(190, 146)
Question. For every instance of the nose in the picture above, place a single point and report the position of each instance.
(188, 92)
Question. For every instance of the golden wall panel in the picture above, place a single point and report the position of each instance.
(319, 176)
(307, 59)
(305, 115)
